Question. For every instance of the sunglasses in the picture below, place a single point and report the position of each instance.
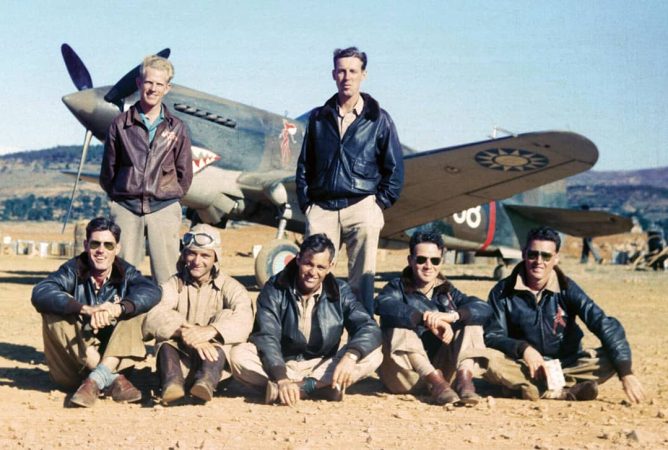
(532, 255)
(94, 245)
(198, 239)
(435, 261)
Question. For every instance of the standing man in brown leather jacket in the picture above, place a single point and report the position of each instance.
(146, 169)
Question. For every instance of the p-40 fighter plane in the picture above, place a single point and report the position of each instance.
(244, 161)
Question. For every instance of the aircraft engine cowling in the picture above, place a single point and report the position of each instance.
(218, 211)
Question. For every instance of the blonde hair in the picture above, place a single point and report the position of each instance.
(158, 63)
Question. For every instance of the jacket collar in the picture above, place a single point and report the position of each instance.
(558, 280)
(288, 276)
(371, 107)
(84, 270)
(134, 117)
(442, 285)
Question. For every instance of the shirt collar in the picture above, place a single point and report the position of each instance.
(357, 109)
(552, 282)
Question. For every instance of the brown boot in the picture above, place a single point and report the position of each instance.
(171, 376)
(465, 388)
(441, 392)
(121, 390)
(86, 395)
(585, 391)
(207, 377)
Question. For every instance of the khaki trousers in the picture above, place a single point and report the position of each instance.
(587, 365)
(160, 229)
(359, 227)
(247, 367)
(65, 344)
(190, 359)
(401, 345)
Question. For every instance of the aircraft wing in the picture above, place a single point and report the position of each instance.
(573, 221)
(440, 182)
(92, 177)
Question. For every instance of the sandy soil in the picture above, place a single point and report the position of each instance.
(33, 413)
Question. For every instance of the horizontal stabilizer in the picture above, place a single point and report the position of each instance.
(574, 222)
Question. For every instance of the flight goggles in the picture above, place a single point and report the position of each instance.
(200, 239)
(532, 255)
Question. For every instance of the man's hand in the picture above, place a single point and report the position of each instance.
(535, 362)
(288, 392)
(443, 331)
(431, 318)
(207, 351)
(633, 388)
(343, 373)
(101, 315)
(194, 335)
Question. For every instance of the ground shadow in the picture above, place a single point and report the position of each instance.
(21, 353)
(31, 379)
(23, 276)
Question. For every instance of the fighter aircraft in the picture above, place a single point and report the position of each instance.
(244, 162)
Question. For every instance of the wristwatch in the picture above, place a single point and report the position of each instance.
(352, 356)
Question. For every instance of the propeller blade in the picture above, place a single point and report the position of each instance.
(126, 86)
(76, 68)
(84, 151)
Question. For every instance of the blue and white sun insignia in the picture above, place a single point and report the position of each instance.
(511, 159)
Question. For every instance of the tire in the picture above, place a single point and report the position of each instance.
(273, 258)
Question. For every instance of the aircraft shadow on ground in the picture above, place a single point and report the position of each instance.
(389, 276)
(23, 276)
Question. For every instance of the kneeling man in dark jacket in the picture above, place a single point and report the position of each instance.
(301, 314)
(92, 311)
(534, 325)
(432, 332)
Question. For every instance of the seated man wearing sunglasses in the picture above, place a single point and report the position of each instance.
(432, 332)
(202, 314)
(295, 349)
(92, 310)
(534, 325)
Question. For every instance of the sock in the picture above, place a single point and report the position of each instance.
(102, 376)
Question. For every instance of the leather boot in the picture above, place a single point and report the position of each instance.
(207, 377)
(171, 376)
(441, 392)
(465, 388)
(585, 391)
(86, 395)
(121, 390)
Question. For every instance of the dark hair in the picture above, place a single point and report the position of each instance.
(544, 234)
(429, 236)
(349, 52)
(317, 243)
(103, 224)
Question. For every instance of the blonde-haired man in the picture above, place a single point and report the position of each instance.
(146, 170)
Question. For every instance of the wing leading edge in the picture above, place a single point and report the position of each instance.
(444, 181)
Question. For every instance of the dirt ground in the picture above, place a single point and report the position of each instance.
(33, 414)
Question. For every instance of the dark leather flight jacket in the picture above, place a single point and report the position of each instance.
(133, 170)
(550, 325)
(400, 305)
(276, 331)
(69, 288)
(334, 172)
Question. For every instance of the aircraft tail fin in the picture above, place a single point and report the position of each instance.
(580, 223)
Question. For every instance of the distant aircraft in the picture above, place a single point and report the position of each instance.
(244, 161)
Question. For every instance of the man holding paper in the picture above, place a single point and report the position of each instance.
(534, 325)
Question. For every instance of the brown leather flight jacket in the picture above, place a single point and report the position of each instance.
(133, 170)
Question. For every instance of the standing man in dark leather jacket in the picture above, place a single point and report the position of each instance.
(146, 169)
(92, 311)
(432, 332)
(301, 313)
(534, 325)
(350, 169)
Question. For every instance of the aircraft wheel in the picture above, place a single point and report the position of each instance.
(273, 258)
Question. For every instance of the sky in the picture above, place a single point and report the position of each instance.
(447, 72)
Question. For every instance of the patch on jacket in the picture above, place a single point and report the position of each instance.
(558, 320)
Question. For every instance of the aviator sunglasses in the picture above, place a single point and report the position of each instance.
(532, 255)
(94, 245)
(435, 261)
(198, 239)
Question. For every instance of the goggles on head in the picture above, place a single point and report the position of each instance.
(204, 240)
